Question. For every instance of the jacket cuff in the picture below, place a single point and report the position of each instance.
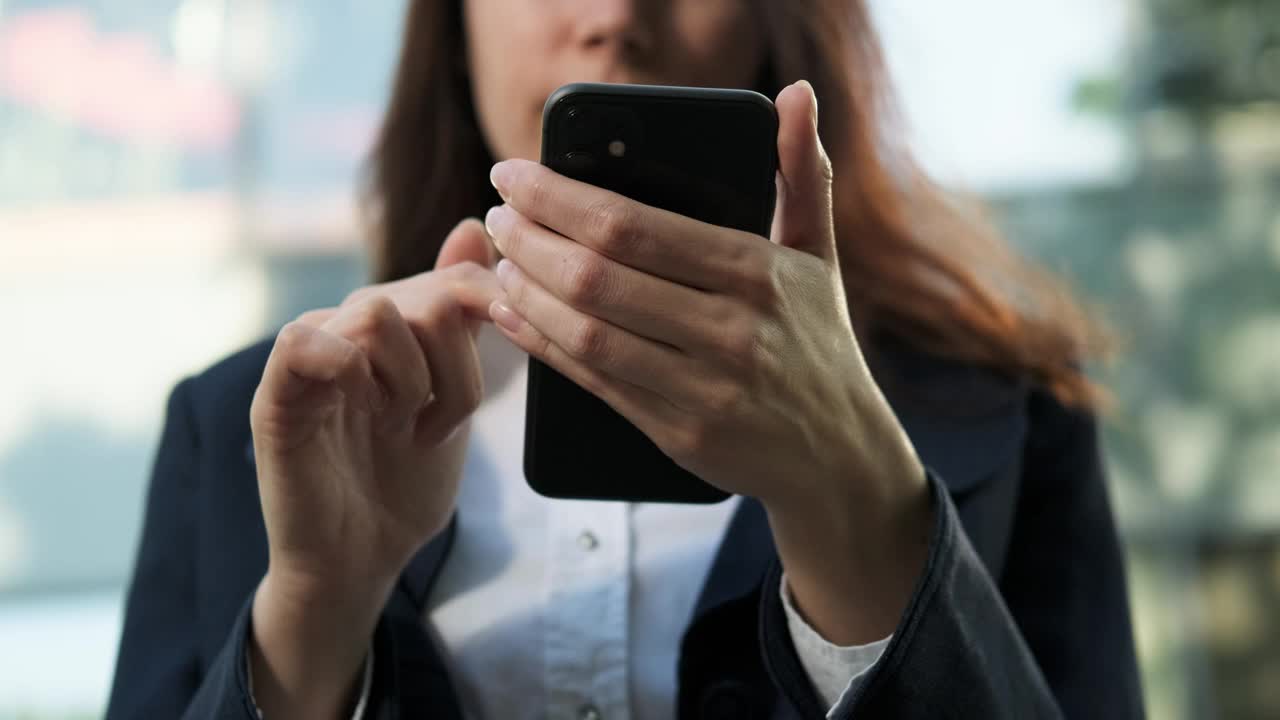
(781, 658)
(956, 652)
(224, 693)
(362, 696)
(834, 671)
(227, 690)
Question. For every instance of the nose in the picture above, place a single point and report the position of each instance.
(615, 25)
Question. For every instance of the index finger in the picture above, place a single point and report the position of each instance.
(472, 286)
(656, 241)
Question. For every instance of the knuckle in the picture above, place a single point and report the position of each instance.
(588, 282)
(516, 292)
(741, 343)
(536, 188)
(357, 295)
(724, 400)
(466, 271)
(589, 342)
(614, 226)
(415, 285)
(352, 359)
(291, 337)
(382, 309)
(544, 348)
(439, 316)
(760, 277)
(374, 317)
(314, 318)
(688, 440)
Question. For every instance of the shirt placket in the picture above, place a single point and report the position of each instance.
(588, 581)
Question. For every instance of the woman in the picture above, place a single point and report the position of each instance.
(922, 531)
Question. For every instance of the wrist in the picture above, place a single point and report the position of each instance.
(328, 592)
(853, 556)
(309, 644)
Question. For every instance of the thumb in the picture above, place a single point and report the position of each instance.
(467, 242)
(802, 219)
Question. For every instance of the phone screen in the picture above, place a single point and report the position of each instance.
(706, 154)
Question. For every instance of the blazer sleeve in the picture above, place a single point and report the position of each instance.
(157, 669)
(1050, 639)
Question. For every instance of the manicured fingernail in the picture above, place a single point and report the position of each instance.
(813, 94)
(506, 318)
(506, 272)
(493, 222)
(813, 99)
(500, 177)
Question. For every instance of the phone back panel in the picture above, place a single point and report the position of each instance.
(707, 154)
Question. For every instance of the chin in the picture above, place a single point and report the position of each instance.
(532, 151)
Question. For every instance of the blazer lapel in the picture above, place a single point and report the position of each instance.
(422, 684)
(421, 572)
(741, 560)
(965, 422)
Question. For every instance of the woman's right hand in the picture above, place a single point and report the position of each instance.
(359, 434)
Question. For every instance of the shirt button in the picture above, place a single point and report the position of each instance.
(588, 541)
(589, 712)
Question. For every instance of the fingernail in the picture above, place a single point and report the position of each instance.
(493, 222)
(506, 272)
(500, 177)
(506, 318)
(813, 98)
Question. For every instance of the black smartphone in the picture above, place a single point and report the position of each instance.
(708, 154)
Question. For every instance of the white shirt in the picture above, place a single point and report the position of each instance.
(563, 608)
(574, 610)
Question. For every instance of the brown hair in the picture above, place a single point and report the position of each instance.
(918, 266)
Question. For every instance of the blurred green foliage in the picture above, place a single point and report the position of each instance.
(1196, 56)
(1183, 259)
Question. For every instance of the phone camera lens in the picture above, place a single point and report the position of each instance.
(582, 127)
(577, 161)
(622, 132)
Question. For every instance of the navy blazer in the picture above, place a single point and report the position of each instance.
(1021, 611)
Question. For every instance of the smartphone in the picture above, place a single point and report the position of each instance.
(709, 154)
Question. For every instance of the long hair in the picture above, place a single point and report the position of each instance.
(919, 267)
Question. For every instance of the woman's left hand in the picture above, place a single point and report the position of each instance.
(734, 354)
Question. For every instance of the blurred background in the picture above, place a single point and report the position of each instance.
(179, 176)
